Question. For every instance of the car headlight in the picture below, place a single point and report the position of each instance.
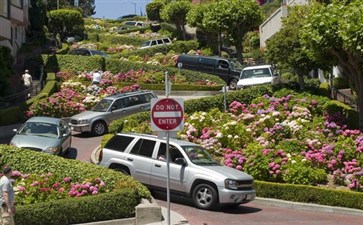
(82, 121)
(231, 184)
(52, 149)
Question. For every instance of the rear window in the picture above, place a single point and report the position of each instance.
(118, 143)
(250, 73)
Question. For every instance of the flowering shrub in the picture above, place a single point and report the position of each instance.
(288, 139)
(32, 188)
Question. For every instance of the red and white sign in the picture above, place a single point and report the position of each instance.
(167, 114)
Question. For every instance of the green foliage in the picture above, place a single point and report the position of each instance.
(350, 115)
(270, 7)
(153, 10)
(309, 194)
(341, 82)
(38, 19)
(122, 39)
(302, 172)
(74, 63)
(6, 69)
(65, 22)
(324, 89)
(11, 115)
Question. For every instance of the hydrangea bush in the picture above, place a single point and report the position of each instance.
(290, 139)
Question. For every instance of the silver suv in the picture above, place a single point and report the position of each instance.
(193, 172)
(111, 108)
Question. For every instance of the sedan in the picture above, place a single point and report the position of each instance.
(44, 134)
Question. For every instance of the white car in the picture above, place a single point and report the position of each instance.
(193, 171)
(256, 75)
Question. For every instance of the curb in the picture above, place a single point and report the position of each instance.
(308, 206)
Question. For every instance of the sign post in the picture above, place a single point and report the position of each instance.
(167, 115)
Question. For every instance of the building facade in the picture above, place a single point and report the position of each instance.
(14, 21)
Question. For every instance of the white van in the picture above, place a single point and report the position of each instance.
(156, 42)
(256, 75)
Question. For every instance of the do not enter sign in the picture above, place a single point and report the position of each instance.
(167, 114)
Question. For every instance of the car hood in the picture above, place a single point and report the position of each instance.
(87, 115)
(34, 142)
(228, 172)
(254, 81)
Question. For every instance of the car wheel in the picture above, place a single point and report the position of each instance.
(233, 84)
(205, 196)
(99, 128)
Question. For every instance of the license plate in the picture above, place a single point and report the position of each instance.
(248, 197)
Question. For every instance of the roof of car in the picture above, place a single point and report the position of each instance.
(115, 96)
(172, 140)
(44, 119)
(257, 67)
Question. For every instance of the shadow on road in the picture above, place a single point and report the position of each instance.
(71, 154)
(82, 135)
(177, 199)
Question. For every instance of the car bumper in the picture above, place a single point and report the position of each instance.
(227, 196)
(81, 127)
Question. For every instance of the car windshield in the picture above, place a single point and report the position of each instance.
(102, 106)
(145, 44)
(235, 65)
(198, 155)
(250, 73)
(40, 129)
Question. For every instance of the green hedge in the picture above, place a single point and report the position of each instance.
(341, 82)
(12, 115)
(351, 115)
(114, 205)
(309, 194)
(107, 206)
(121, 39)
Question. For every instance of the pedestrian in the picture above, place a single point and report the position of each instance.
(96, 77)
(28, 82)
(7, 197)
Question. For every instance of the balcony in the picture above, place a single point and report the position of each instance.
(5, 31)
(17, 15)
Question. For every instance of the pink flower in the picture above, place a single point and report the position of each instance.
(61, 189)
(67, 179)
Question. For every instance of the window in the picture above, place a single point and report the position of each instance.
(173, 151)
(17, 3)
(4, 8)
(223, 64)
(143, 147)
(148, 97)
(160, 42)
(166, 40)
(119, 143)
(118, 104)
(153, 43)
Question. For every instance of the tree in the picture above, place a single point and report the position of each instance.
(153, 10)
(65, 22)
(285, 48)
(87, 6)
(233, 18)
(336, 30)
(195, 18)
(176, 12)
(38, 19)
(6, 62)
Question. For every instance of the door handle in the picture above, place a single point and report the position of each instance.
(157, 165)
(123, 111)
(130, 159)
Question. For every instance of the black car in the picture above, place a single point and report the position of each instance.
(227, 69)
(87, 52)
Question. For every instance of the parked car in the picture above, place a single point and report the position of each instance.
(227, 69)
(111, 108)
(156, 42)
(127, 16)
(44, 134)
(193, 172)
(135, 23)
(87, 52)
(256, 75)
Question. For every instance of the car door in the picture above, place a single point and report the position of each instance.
(65, 135)
(178, 173)
(206, 65)
(140, 157)
(134, 104)
(118, 110)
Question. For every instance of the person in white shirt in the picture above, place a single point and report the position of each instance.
(28, 82)
(7, 197)
(97, 76)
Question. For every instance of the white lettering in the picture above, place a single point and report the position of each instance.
(166, 121)
(159, 107)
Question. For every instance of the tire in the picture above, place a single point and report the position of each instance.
(205, 196)
(233, 84)
(99, 128)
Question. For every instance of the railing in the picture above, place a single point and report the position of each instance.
(346, 99)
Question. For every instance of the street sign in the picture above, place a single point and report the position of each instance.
(167, 114)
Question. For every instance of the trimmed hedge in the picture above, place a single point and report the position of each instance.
(351, 115)
(113, 205)
(121, 39)
(309, 194)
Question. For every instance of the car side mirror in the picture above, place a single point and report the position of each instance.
(180, 161)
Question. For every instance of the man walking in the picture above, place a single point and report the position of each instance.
(28, 82)
(7, 197)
